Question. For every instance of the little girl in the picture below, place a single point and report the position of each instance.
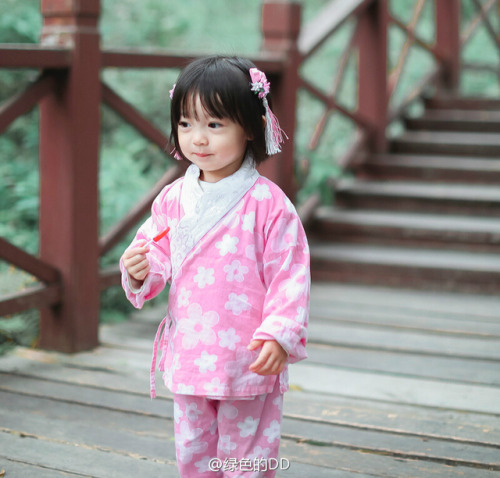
(237, 259)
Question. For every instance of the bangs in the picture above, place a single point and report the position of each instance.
(221, 89)
(210, 102)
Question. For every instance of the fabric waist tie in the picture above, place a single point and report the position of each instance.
(152, 380)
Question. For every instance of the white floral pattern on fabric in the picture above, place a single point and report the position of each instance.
(248, 427)
(206, 362)
(185, 389)
(278, 401)
(203, 465)
(273, 432)
(248, 222)
(204, 277)
(298, 283)
(178, 413)
(183, 297)
(261, 192)
(226, 445)
(229, 339)
(192, 412)
(287, 238)
(228, 410)
(189, 438)
(237, 303)
(215, 387)
(235, 271)
(227, 245)
(197, 327)
(258, 451)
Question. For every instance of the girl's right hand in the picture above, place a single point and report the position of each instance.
(137, 264)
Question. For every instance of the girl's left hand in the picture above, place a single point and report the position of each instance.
(272, 358)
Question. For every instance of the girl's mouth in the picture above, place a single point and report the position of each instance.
(201, 155)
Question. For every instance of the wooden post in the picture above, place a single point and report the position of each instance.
(280, 28)
(372, 87)
(69, 152)
(448, 41)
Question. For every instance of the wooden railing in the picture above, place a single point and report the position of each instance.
(380, 98)
(69, 92)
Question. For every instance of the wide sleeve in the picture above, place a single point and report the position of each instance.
(158, 255)
(286, 274)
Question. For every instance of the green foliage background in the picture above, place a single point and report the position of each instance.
(129, 163)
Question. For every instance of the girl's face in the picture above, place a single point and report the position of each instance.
(216, 146)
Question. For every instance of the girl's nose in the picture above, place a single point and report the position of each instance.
(200, 138)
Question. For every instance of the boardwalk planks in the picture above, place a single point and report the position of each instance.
(398, 384)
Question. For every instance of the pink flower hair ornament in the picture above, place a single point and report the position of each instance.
(260, 85)
(274, 134)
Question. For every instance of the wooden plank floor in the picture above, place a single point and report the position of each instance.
(398, 384)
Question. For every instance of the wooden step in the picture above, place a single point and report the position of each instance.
(447, 143)
(414, 167)
(408, 229)
(451, 101)
(469, 272)
(480, 121)
(462, 199)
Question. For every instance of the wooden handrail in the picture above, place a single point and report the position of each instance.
(271, 62)
(333, 105)
(33, 265)
(33, 56)
(133, 117)
(25, 101)
(396, 74)
(31, 298)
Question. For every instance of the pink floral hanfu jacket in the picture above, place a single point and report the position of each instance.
(237, 259)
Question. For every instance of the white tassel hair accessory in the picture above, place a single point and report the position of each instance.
(275, 136)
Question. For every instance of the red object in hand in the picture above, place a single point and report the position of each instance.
(161, 235)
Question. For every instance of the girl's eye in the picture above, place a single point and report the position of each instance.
(184, 124)
(215, 125)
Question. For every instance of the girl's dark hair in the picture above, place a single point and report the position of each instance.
(223, 86)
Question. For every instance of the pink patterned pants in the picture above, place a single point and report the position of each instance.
(228, 438)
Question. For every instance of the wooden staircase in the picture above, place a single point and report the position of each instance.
(425, 215)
